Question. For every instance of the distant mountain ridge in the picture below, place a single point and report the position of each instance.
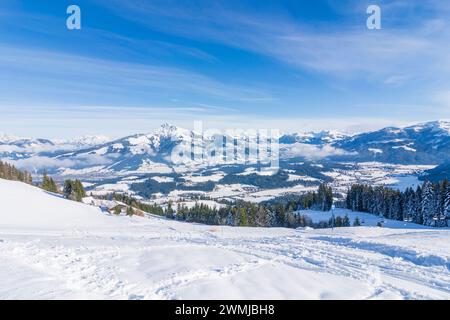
(439, 173)
(425, 143)
(14, 148)
(315, 138)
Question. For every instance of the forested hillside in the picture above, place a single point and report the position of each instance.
(242, 213)
(429, 204)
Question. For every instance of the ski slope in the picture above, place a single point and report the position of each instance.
(53, 248)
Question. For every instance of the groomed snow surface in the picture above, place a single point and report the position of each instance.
(53, 248)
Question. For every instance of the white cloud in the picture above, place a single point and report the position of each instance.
(7, 148)
(101, 78)
(30, 148)
(310, 151)
(415, 48)
(40, 162)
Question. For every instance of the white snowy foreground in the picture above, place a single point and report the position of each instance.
(53, 248)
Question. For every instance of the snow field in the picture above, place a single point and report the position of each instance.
(53, 248)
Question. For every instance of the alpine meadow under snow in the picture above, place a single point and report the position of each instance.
(51, 248)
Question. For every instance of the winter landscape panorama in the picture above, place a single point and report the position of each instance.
(225, 150)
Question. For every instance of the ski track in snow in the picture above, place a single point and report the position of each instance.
(322, 257)
(93, 272)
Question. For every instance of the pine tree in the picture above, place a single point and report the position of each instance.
(447, 204)
(79, 191)
(262, 218)
(427, 203)
(408, 209)
(397, 206)
(230, 218)
(439, 200)
(169, 211)
(48, 183)
(338, 222)
(243, 222)
(324, 197)
(280, 216)
(68, 189)
(418, 217)
(74, 190)
(117, 210)
(346, 221)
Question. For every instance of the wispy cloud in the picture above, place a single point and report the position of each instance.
(407, 61)
(229, 63)
(72, 74)
(417, 50)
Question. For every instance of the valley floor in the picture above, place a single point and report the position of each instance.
(52, 248)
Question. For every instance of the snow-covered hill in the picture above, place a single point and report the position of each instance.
(28, 207)
(53, 248)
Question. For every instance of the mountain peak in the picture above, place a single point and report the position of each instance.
(433, 125)
(167, 130)
(443, 124)
(4, 138)
(167, 126)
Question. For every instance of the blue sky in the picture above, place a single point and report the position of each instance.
(292, 65)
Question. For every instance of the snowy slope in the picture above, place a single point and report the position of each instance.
(53, 248)
(30, 207)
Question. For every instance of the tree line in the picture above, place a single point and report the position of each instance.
(245, 214)
(9, 172)
(72, 189)
(427, 205)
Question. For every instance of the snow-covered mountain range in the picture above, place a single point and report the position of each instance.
(426, 144)
(14, 148)
(316, 138)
